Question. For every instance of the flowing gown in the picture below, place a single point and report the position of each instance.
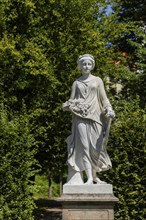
(85, 144)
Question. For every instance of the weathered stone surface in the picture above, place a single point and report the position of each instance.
(87, 215)
(88, 202)
(92, 114)
(88, 189)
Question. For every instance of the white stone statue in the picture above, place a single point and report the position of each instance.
(91, 117)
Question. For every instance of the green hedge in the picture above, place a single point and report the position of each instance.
(127, 149)
(16, 168)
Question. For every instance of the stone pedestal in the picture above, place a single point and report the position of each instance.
(88, 202)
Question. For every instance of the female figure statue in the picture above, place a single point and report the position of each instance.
(91, 111)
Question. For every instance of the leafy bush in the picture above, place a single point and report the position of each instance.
(126, 148)
(16, 167)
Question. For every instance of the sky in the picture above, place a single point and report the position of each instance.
(109, 10)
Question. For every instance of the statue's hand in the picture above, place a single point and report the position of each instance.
(65, 106)
(110, 113)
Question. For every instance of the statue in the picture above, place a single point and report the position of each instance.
(91, 118)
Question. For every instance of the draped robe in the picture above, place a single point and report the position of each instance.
(87, 104)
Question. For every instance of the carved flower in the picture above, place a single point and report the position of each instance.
(78, 107)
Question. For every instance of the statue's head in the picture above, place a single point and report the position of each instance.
(84, 57)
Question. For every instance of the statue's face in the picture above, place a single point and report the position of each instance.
(86, 66)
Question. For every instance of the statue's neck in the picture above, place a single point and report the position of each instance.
(85, 76)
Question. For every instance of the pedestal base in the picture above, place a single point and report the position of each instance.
(88, 202)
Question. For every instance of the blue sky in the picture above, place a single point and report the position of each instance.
(109, 10)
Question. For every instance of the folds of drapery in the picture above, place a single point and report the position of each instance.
(86, 146)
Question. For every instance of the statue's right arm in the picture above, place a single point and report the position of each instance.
(73, 91)
(66, 105)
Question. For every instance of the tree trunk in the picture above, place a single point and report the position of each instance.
(50, 180)
(60, 185)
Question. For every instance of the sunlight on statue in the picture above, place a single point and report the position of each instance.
(91, 118)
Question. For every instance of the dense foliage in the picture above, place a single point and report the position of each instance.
(133, 46)
(16, 167)
(39, 44)
(126, 147)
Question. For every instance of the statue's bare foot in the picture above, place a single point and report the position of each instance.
(98, 181)
(89, 181)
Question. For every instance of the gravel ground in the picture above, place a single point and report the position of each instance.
(48, 210)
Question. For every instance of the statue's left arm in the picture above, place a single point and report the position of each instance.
(105, 101)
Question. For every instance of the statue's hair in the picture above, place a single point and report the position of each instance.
(86, 57)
